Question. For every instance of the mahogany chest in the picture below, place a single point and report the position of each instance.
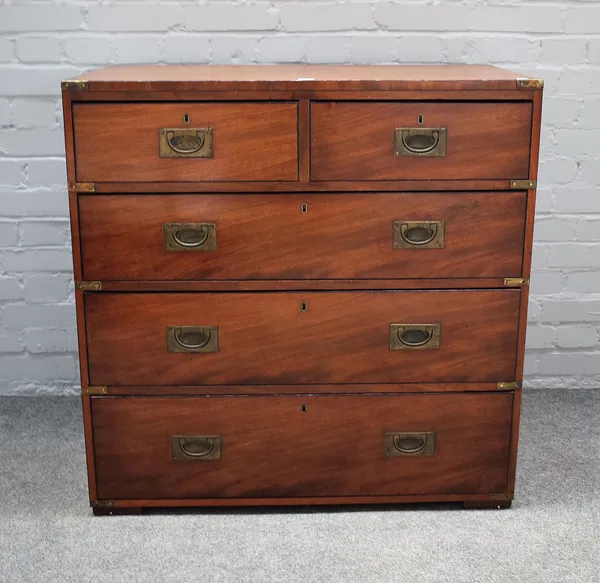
(301, 284)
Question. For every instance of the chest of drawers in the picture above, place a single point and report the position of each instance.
(301, 285)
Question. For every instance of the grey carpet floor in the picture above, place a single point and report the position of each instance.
(551, 534)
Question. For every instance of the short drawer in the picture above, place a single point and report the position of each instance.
(420, 140)
(310, 337)
(316, 236)
(185, 142)
(299, 446)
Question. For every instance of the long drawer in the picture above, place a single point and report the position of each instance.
(420, 140)
(187, 142)
(301, 337)
(228, 447)
(306, 236)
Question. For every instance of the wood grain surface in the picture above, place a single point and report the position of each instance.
(354, 140)
(118, 142)
(266, 338)
(150, 78)
(301, 446)
(268, 237)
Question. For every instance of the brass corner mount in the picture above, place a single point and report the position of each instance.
(530, 83)
(75, 84)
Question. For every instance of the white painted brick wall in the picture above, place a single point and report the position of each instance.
(42, 43)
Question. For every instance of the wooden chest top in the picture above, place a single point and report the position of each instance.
(306, 77)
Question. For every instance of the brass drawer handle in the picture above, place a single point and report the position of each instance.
(420, 141)
(190, 236)
(192, 339)
(413, 443)
(414, 336)
(418, 234)
(185, 142)
(196, 447)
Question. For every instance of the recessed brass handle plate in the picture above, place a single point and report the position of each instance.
(192, 339)
(196, 447)
(418, 234)
(424, 142)
(412, 443)
(190, 236)
(415, 336)
(185, 143)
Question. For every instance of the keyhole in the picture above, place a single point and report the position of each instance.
(304, 307)
(303, 408)
(304, 208)
(420, 118)
(186, 118)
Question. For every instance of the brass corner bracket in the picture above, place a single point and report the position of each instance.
(87, 391)
(523, 184)
(515, 281)
(530, 83)
(88, 285)
(82, 186)
(103, 503)
(75, 84)
(500, 497)
(508, 386)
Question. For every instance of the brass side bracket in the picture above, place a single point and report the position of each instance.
(515, 281)
(530, 83)
(88, 285)
(508, 386)
(82, 186)
(75, 84)
(523, 184)
(94, 391)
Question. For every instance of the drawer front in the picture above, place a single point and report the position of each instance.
(385, 141)
(309, 337)
(143, 142)
(298, 446)
(332, 236)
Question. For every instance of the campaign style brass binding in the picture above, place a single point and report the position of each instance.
(413, 443)
(414, 336)
(103, 503)
(196, 447)
(185, 143)
(192, 339)
(420, 141)
(190, 236)
(508, 386)
(94, 391)
(530, 83)
(82, 186)
(418, 234)
(88, 285)
(515, 281)
(523, 184)
(500, 497)
(75, 84)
